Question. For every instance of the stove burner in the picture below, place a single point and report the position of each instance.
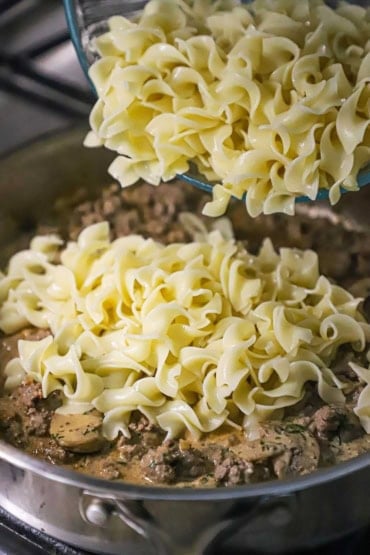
(21, 74)
(42, 87)
(17, 538)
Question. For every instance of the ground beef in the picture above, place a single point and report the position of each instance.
(143, 436)
(25, 413)
(233, 471)
(143, 431)
(297, 460)
(330, 421)
(153, 212)
(168, 464)
(327, 420)
(136, 210)
(25, 419)
(27, 396)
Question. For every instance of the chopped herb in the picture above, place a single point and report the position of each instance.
(57, 436)
(293, 428)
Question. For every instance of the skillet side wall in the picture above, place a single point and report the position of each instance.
(30, 181)
(311, 516)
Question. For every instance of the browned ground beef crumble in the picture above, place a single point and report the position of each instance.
(311, 434)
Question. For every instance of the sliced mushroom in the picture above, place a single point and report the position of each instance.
(291, 447)
(258, 450)
(80, 433)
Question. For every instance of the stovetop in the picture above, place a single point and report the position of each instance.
(42, 89)
(17, 538)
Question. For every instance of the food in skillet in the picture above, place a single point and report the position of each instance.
(269, 98)
(184, 358)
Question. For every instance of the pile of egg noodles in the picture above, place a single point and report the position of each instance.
(269, 98)
(193, 335)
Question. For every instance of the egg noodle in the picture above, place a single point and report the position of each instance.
(271, 98)
(192, 335)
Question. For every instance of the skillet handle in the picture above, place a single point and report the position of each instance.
(133, 514)
(278, 510)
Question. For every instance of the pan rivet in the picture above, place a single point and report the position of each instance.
(97, 513)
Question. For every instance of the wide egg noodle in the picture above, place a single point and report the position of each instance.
(362, 409)
(269, 98)
(191, 335)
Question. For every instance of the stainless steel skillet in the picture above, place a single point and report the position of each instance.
(112, 518)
